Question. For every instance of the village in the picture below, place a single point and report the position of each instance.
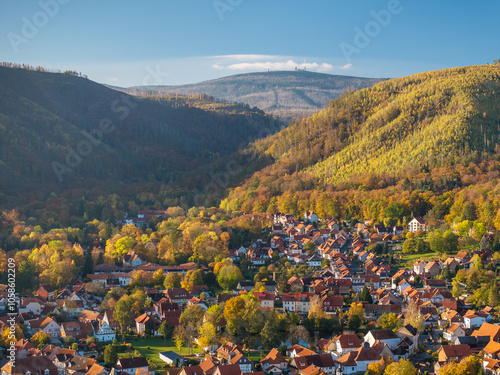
(355, 308)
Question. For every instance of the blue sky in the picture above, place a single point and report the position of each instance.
(127, 43)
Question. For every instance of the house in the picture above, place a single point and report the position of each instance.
(419, 266)
(432, 269)
(332, 304)
(462, 257)
(298, 351)
(171, 358)
(102, 331)
(78, 330)
(386, 336)
(48, 325)
(133, 259)
(323, 361)
(46, 292)
(238, 358)
(266, 299)
(453, 331)
(132, 364)
(474, 319)
(411, 333)
(33, 304)
(38, 365)
(402, 285)
(23, 346)
(231, 369)
(417, 224)
(452, 316)
(490, 330)
(314, 261)
(177, 295)
(224, 351)
(347, 343)
(325, 346)
(452, 264)
(492, 350)
(274, 359)
(358, 360)
(311, 217)
(147, 324)
(452, 353)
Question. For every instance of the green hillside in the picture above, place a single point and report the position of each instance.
(289, 94)
(425, 126)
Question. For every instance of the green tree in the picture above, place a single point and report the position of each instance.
(451, 242)
(88, 266)
(40, 339)
(172, 280)
(270, 335)
(229, 276)
(389, 321)
(122, 311)
(208, 335)
(110, 355)
(192, 315)
(469, 211)
(365, 295)
(165, 330)
(414, 317)
(410, 246)
(402, 367)
(494, 298)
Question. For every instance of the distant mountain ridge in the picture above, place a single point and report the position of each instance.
(288, 94)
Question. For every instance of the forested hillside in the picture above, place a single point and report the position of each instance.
(289, 94)
(63, 133)
(409, 140)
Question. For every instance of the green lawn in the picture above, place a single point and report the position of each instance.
(156, 346)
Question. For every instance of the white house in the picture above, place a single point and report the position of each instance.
(386, 336)
(419, 267)
(311, 217)
(453, 332)
(347, 343)
(416, 224)
(474, 319)
(314, 261)
(403, 284)
(35, 305)
(103, 332)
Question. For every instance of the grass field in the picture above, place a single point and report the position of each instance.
(156, 346)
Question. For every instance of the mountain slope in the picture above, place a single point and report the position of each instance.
(290, 94)
(59, 131)
(375, 137)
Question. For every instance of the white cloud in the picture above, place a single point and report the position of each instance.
(251, 62)
(113, 79)
(277, 65)
(247, 57)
